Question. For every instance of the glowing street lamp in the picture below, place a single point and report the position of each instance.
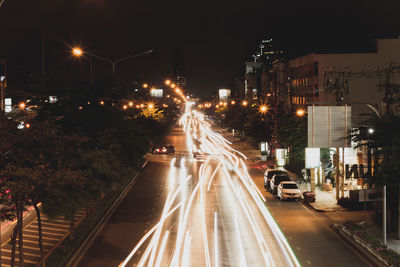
(124, 107)
(77, 51)
(151, 105)
(173, 85)
(300, 112)
(145, 85)
(244, 103)
(233, 102)
(263, 109)
(130, 103)
(22, 105)
(167, 82)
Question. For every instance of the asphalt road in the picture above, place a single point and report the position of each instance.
(208, 212)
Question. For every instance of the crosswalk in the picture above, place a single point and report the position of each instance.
(53, 232)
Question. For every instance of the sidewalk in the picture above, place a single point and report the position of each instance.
(325, 200)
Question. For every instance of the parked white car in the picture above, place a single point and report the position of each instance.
(288, 190)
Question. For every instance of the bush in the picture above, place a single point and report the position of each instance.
(392, 257)
(349, 203)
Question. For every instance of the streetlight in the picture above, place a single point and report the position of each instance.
(145, 85)
(233, 102)
(22, 105)
(263, 109)
(244, 103)
(168, 82)
(300, 112)
(79, 52)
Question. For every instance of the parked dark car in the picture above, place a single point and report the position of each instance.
(276, 180)
(164, 149)
(268, 176)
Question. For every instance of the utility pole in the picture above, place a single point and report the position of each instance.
(3, 83)
(43, 61)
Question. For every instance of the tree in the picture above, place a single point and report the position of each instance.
(291, 132)
(382, 135)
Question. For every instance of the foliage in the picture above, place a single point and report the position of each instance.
(385, 142)
(292, 132)
(74, 153)
(247, 119)
(373, 242)
(153, 113)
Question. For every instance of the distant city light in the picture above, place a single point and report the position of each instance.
(244, 103)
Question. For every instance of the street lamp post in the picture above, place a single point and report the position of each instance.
(79, 52)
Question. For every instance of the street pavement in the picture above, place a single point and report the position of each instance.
(207, 212)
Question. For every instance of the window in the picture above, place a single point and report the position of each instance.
(315, 68)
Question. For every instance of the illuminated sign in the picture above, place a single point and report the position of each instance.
(8, 105)
(224, 94)
(158, 93)
(312, 158)
(280, 157)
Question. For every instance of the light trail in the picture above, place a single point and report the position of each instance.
(162, 248)
(196, 199)
(216, 250)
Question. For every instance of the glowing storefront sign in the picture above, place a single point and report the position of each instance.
(280, 157)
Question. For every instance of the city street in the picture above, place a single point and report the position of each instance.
(206, 211)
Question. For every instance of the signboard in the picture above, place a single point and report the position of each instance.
(281, 157)
(157, 93)
(8, 105)
(368, 195)
(329, 126)
(224, 94)
(313, 158)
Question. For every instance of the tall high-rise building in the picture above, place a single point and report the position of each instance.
(179, 65)
(266, 52)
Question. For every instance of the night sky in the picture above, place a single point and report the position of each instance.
(214, 37)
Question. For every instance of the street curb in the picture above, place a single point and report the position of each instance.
(83, 248)
(363, 251)
(312, 205)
